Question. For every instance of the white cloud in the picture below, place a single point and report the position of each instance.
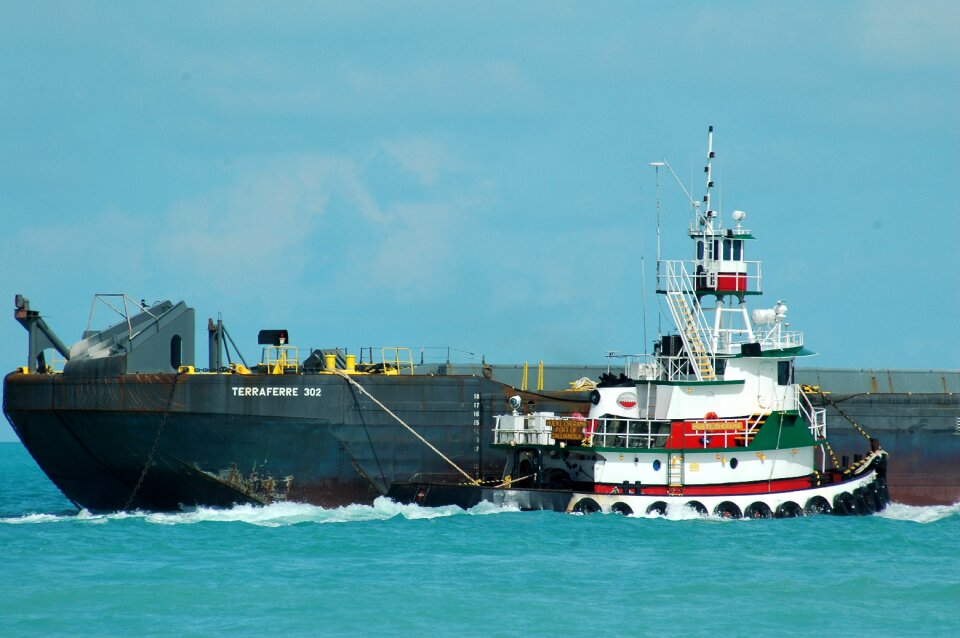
(281, 226)
(904, 34)
(422, 157)
(477, 87)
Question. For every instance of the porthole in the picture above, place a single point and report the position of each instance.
(656, 465)
(734, 463)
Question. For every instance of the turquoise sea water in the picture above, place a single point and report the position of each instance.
(297, 570)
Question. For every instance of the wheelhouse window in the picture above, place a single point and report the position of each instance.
(784, 373)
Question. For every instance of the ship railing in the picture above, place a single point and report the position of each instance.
(777, 337)
(523, 429)
(127, 303)
(539, 429)
(56, 363)
(816, 417)
(398, 356)
(730, 339)
(281, 359)
(405, 360)
(642, 367)
(754, 422)
(748, 279)
(675, 368)
(627, 433)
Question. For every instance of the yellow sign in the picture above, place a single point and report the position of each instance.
(566, 430)
(719, 426)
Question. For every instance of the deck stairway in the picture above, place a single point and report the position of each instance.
(690, 321)
(675, 474)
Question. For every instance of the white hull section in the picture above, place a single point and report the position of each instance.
(790, 503)
(703, 468)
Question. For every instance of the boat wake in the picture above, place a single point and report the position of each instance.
(285, 514)
(920, 513)
(275, 515)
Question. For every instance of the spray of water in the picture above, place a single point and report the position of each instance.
(283, 514)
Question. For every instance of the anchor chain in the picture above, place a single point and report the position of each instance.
(153, 448)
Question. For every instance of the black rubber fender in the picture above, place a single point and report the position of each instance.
(868, 498)
(860, 507)
(727, 509)
(788, 510)
(621, 508)
(758, 509)
(659, 508)
(843, 504)
(817, 505)
(586, 506)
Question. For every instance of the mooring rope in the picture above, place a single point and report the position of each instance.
(833, 456)
(510, 481)
(823, 396)
(472, 480)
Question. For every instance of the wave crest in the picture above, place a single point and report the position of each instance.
(283, 514)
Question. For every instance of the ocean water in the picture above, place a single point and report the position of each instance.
(390, 570)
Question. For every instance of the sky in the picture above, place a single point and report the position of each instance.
(476, 175)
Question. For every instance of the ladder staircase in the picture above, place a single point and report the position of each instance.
(689, 319)
(675, 474)
(686, 321)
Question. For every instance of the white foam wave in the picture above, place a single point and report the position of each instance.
(920, 513)
(275, 515)
(282, 514)
(31, 518)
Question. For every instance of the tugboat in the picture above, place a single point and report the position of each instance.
(713, 421)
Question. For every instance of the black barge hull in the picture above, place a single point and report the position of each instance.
(163, 441)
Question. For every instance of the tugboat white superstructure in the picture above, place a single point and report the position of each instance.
(713, 421)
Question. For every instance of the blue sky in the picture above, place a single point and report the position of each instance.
(476, 174)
